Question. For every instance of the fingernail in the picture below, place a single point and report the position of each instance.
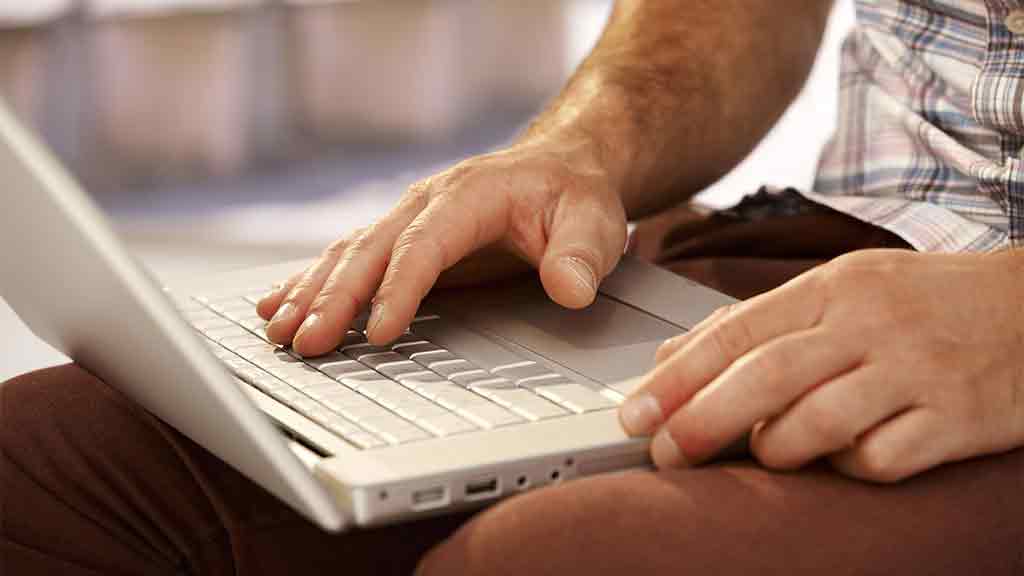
(585, 277)
(668, 346)
(376, 315)
(285, 312)
(640, 414)
(309, 323)
(673, 340)
(665, 451)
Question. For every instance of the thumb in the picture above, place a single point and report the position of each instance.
(586, 240)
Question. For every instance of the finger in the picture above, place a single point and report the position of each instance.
(792, 308)
(907, 444)
(450, 227)
(271, 301)
(587, 238)
(290, 313)
(669, 347)
(830, 418)
(356, 276)
(760, 385)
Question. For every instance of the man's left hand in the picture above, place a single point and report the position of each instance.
(888, 362)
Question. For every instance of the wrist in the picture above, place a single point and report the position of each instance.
(591, 124)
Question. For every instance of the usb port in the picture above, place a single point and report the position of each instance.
(481, 488)
(427, 498)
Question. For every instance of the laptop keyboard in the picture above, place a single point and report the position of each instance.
(413, 389)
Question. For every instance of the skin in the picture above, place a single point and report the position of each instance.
(863, 361)
(886, 362)
(653, 115)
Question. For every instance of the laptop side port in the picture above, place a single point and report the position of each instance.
(428, 498)
(482, 488)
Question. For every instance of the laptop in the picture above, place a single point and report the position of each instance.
(491, 392)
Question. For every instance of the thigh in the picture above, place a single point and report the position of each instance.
(737, 518)
(92, 484)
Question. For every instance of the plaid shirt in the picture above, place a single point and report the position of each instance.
(930, 140)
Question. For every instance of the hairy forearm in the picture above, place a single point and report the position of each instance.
(677, 92)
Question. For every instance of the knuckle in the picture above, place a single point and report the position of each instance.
(874, 462)
(731, 336)
(335, 295)
(694, 439)
(825, 424)
(770, 452)
(418, 193)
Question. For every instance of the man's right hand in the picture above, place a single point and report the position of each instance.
(548, 202)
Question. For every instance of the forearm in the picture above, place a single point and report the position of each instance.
(677, 92)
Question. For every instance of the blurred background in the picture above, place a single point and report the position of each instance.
(227, 133)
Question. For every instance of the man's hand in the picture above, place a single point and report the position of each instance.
(671, 98)
(546, 201)
(886, 362)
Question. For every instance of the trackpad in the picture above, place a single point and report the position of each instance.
(607, 342)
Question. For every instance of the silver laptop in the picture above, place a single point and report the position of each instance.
(492, 391)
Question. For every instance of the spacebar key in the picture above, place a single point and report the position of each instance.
(466, 344)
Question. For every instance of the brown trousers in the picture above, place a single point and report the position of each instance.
(92, 484)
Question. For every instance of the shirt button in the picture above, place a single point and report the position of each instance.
(1015, 21)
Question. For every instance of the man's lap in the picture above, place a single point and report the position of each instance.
(94, 485)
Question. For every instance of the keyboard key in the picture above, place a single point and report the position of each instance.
(465, 343)
(422, 377)
(525, 403)
(490, 383)
(286, 395)
(341, 369)
(374, 389)
(332, 358)
(522, 370)
(364, 413)
(457, 397)
(419, 411)
(364, 440)
(403, 434)
(357, 351)
(400, 396)
(254, 324)
(396, 369)
(311, 379)
(212, 323)
(576, 397)
(488, 415)
(469, 378)
(230, 304)
(355, 381)
(303, 404)
(271, 360)
(339, 402)
(329, 389)
(418, 347)
(294, 371)
(219, 334)
(186, 305)
(545, 380)
(374, 359)
(447, 425)
(239, 342)
(447, 368)
(426, 356)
